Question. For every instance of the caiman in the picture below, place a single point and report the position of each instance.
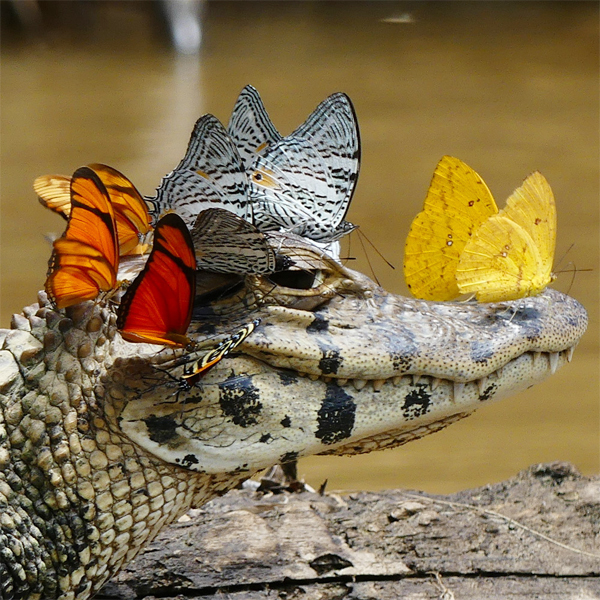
(102, 446)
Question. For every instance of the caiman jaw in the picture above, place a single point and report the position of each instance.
(345, 367)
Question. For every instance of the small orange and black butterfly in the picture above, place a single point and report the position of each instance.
(199, 368)
(157, 306)
(131, 213)
(85, 259)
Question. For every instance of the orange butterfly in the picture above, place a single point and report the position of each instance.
(85, 259)
(157, 306)
(131, 213)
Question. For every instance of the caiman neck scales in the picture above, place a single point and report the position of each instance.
(100, 447)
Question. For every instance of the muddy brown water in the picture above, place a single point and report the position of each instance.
(507, 87)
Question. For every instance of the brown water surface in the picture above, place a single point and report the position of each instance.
(508, 87)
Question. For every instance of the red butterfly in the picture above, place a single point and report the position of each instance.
(157, 306)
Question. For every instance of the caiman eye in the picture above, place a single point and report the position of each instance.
(298, 280)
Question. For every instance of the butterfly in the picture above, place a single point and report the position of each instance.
(304, 182)
(131, 213)
(85, 259)
(157, 306)
(250, 127)
(199, 368)
(225, 243)
(510, 255)
(211, 175)
(440, 243)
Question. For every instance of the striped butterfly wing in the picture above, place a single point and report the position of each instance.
(250, 127)
(211, 175)
(291, 188)
(157, 306)
(85, 259)
(225, 243)
(332, 129)
(131, 213)
(54, 192)
(199, 368)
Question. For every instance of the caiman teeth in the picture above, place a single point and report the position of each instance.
(435, 382)
(342, 381)
(553, 357)
(378, 384)
(570, 353)
(536, 357)
(458, 389)
(481, 385)
(359, 384)
(416, 378)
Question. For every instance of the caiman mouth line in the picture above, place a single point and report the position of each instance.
(551, 358)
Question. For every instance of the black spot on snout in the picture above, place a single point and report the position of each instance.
(416, 402)
(336, 416)
(287, 377)
(286, 422)
(488, 392)
(188, 460)
(331, 361)
(319, 324)
(161, 429)
(240, 401)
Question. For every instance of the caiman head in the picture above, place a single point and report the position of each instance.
(102, 445)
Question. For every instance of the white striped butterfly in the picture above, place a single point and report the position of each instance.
(304, 183)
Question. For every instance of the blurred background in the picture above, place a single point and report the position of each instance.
(508, 87)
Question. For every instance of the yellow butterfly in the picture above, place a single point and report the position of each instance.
(461, 244)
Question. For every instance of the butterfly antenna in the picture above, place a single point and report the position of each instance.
(563, 256)
(368, 259)
(362, 234)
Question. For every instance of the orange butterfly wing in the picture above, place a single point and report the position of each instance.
(157, 307)
(85, 259)
(131, 212)
(54, 192)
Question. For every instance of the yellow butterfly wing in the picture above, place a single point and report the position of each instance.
(457, 202)
(511, 254)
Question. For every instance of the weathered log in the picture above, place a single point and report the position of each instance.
(534, 536)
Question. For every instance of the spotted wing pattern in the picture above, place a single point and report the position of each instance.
(225, 243)
(250, 127)
(211, 175)
(304, 182)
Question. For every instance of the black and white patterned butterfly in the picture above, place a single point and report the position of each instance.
(211, 175)
(250, 127)
(226, 243)
(304, 182)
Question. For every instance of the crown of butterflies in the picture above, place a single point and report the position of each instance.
(215, 211)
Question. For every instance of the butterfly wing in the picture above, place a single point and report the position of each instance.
(510, 256)
(457, 202)
(199, 368)
(131, 212)
(157, 306)
(211, 175)
(225, 243)
(250, 127)
(85, 259)
(54, 192)
(291, 187)
(333, 130)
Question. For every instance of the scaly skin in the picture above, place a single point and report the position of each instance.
(100, 449)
